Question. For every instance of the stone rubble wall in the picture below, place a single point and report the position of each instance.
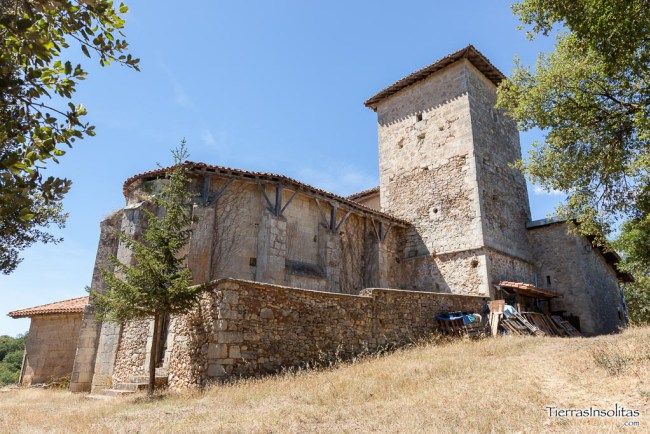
(246, 328)
(588, 285)
(50, 348)
(132, 351)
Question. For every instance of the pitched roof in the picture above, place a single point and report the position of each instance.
(470, 53)
(260, 176)
(73, 305)
(358, 195)
(528, 289)
(611, 257)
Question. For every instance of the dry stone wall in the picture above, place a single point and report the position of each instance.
(247, 328)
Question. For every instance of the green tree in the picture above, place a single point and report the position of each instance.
(591, 98)
(11, 358)
(38, 119)
(634, 242)
(9, 344)
(158, 283)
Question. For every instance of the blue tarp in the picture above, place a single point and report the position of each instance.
(467, 317)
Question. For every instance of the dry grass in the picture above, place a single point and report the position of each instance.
(473, 386)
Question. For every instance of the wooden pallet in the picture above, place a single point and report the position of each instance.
(456, 327)
(544, 323)
(566, 326)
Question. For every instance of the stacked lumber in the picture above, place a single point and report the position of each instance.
(517, 324)
(544, 323)
(566, 326)
(538, 324)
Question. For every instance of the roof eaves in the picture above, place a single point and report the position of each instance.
(262, 176)
(470, 53)
(363, 193)
(73, 305)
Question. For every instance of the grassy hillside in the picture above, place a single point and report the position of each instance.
(499, 384)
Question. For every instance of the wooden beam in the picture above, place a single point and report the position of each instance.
(268, 201)
(384, 233)
(278, 200)
(333, 212)
(374, 227)
(288, 202)
(205, 192)
(222, 190)
(302, 189)
(342, 222)
(322, 213)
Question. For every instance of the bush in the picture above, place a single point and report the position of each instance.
(637, 298)
(11, 358)
(9, 345)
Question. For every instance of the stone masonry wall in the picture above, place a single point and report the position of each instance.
(580, 273)
(50, 348)
(246, 328)
(502, 188)
(428, 177)
(132, 351)
(85, 357)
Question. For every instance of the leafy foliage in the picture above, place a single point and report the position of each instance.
(11, 358)
(591, 98)
(158, 282)
(38, 118)
(634, 243)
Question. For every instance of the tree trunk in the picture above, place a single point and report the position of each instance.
(153, 354)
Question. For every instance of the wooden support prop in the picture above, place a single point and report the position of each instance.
(383, 232)
(333, 212)
(222, 190)
(205, 192)
(277, 209)
(374, 227)
(343, 220)
(288, 202)
(322, 213)
(268, 201)
(206, 197)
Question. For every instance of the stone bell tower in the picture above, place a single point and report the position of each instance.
(444, 160)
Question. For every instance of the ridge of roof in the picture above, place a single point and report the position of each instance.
(469, 52)
(72, 305)
(363, 193)
(267, 176)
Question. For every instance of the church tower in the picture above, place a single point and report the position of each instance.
(444, 160)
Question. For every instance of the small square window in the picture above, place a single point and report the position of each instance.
(252, 262)
(418, 117)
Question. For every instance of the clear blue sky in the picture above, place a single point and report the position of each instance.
(274, 86)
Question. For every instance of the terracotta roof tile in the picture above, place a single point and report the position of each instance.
(470, 53)
(73, 305)
(250, 175)
(360, 194)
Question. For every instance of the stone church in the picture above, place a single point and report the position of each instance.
(298, 272)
